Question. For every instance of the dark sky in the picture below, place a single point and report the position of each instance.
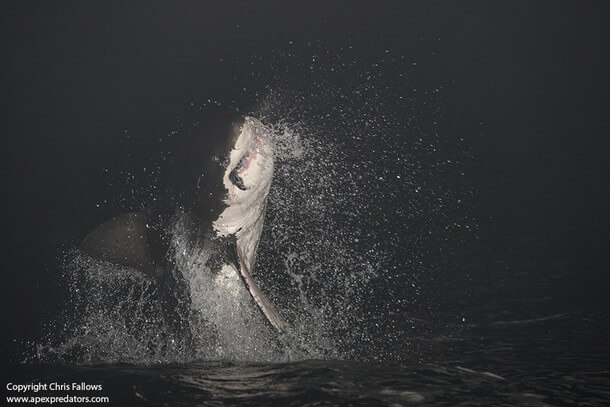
(76, 75)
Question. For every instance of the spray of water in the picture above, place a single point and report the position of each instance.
(369, 195)
(305, 263)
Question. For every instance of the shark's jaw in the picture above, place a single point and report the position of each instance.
(247, 180)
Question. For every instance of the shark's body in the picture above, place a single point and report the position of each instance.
(217, 189)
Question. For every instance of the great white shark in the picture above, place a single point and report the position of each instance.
(219, 176)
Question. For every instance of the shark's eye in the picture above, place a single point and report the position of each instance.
(236, 180)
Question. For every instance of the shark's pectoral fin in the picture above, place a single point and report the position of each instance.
(122, 240)
(263, 302)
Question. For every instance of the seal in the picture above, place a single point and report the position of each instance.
(217, 183)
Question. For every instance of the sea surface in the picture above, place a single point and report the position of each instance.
(552, 361)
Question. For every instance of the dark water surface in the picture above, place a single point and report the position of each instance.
(549, 361)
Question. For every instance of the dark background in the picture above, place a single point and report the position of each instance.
(78, 76)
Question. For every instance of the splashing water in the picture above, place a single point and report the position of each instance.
(112, 316)
(117, 316)
(366, 203)
(322, 278)
(226, 324)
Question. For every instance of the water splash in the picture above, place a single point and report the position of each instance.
(225, 322)
(116, 311)
(369, 202)
(112, 316)
(307, 257)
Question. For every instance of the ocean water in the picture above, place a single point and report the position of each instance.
(551, 361)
